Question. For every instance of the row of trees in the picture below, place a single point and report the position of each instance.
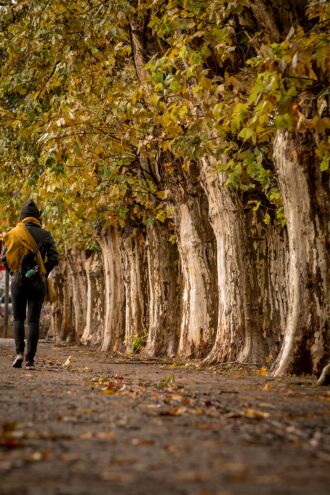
(179, 152)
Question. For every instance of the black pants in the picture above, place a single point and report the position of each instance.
(22, 297)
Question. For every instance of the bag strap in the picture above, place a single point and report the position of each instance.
(36, 246)
(36, 251)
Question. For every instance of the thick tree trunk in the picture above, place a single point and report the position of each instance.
(237, 337)
(164, 293)
(66, 331)
(268, 253)
(305, 193)
(113, 336)
(196, 247)
(135, 287)
(251, 262)
(58, 281)
(93, 330)
(78, 282)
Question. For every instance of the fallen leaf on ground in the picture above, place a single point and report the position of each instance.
(9, 426)
(142, 441)
(262, 371)
(37, 456)
(151, 406)
(173, 411)
(254, 414)
(234, 414)
(67, 363)
(197, 411)
(176, 397)
(10, 443)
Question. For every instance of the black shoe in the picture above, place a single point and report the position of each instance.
(30, 365)
(17, 363)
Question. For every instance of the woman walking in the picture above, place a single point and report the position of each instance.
(29, 254)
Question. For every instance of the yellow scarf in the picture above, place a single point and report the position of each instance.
(19, 242)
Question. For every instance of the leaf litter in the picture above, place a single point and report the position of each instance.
(190, 425)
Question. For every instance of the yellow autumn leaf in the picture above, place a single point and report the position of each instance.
(255, 414)
(263, 371)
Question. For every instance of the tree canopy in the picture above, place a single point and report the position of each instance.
(102, 103)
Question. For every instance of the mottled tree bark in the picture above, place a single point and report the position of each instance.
(196, 246)
(135, 286)
(59, 282)
(268, 253)
(236, 338)
(164, 293)
(251, 263)
(305, 193)
(66, 331)
(78, 283)
(93, 331)
(114, 329)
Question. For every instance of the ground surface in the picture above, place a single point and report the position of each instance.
(97, 425)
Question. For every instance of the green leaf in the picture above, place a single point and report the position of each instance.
(161, 216)
(248, 133)
(266, 218)
(324, 165)
(283, 121)
(239, 114)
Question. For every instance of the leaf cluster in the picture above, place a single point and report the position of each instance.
(93, 143)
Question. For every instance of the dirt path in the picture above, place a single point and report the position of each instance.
(108, 426)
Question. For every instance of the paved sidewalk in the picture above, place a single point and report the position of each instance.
(88, 424)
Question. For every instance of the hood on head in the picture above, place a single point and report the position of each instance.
(30, 209)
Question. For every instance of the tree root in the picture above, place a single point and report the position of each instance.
(324, 378)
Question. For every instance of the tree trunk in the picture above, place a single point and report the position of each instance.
(113, 336)
(164, 293)
(268, 252)
(305, 193)
(78, 282)
(58, 281)
(135, 287)
(93, 330)
(196, 247)
(66, 331)
(237, 337)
